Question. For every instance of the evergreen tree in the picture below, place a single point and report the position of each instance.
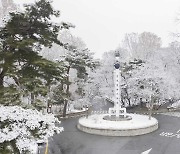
(21, 40)
(77, 61)
(80, 60)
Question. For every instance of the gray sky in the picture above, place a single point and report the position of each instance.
(103, 23)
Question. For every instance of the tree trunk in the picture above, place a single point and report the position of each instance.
(151, 107)
(150, 112)
(67, 92)
(129, 101)
(65, 108)
(6, 65)
(1, 81)
(1, 86)
(67, 89)
(32, 98)
(2, 78)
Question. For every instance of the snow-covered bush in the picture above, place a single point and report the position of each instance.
(175, 105)
(21, 129)
(81, 103)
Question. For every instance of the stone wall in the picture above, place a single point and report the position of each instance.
(110, 132)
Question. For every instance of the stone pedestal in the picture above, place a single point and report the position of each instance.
(117, 112)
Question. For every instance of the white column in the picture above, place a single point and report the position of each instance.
(117, 91)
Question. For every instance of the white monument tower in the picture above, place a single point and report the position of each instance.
(117, 110)
(117, 122)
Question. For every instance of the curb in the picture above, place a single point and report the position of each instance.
(74, 115)
(133, 130)
(155, 113)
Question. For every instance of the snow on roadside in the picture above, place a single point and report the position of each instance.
(174, 114)
(75, 111)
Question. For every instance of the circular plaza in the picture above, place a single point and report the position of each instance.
(137, 125)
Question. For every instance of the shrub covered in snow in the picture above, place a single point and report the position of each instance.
(20, 129)
(175, 105)
(79, 104)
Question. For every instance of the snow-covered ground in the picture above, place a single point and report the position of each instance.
(75, 111)
(138, 121)
(174, 114)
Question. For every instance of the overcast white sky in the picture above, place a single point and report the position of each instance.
(103, 23)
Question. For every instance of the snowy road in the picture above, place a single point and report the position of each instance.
(73, 141)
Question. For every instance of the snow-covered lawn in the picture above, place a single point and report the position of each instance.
(97, 121)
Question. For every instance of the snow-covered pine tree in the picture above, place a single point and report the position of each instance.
(21, 40)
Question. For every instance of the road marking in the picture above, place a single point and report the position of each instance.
(146, 152)
(178, 131)
(46, 151)
(169, 134)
